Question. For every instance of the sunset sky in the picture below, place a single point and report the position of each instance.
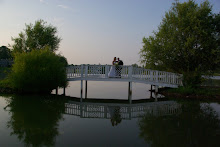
(92, 31)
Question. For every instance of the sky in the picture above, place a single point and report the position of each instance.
(92, 31)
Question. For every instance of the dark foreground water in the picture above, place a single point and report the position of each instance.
(64, 121)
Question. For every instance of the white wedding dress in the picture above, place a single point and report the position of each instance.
(112, 72)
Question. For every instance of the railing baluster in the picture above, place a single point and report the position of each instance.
(86, 70)
(82, 70)
(129, 72)
(151, 75)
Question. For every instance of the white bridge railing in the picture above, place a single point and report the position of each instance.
(124, 73)
(125, 111)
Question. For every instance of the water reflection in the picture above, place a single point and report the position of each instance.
(117, 112)
(38, 121)
(34, 120)
(197, 125)
(115, 115)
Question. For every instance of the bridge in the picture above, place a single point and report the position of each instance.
(124, 74)
(122, 111)
(127, 73)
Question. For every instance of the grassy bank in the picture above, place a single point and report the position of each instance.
(201, 93)
(211, 82)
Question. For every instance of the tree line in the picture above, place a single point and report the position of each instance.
(186, 42)
(37, 68)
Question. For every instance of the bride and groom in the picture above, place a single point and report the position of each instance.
(115, 71)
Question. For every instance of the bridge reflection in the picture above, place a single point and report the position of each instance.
(121, 111)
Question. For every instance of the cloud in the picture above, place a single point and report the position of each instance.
(43, 1)
(63, 6)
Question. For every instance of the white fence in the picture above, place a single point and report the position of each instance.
(125, 73)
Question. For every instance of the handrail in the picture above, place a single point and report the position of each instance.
(87, 71)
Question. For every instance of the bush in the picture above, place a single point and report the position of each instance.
(192, 79)
(39, 71)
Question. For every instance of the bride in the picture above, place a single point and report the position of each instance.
(112, 72)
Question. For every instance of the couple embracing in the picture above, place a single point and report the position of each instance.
(115, 71)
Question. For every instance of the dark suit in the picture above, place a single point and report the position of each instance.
(120, 63)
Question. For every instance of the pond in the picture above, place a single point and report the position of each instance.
(100, 121)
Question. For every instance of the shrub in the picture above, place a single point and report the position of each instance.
(38, 71)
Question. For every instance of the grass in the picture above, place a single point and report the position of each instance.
(211, 82)
(208, 88)
(216, 74)
(202, 91)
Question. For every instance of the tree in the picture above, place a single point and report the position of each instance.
(39, 71)
(217, 25)
(196, 125)
(34, 120)
(63, 60)
(135, 65)
(37, 36)
(5, 52)
(187, 42)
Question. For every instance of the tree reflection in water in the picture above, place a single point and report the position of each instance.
(34, 119)
(197, 125)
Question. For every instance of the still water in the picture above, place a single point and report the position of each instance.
(65, 121)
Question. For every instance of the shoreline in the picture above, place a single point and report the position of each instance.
(202, 93)
(7, 90)
(167, 92)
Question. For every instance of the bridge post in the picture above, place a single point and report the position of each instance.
(106, 71)
(151, 88)
(157, 76)
(86, 89)
(130, 92)
(105, 111)
(81, 93)
(129, 112)
(156, 88)
(155, 97)
(57, 91)
(151, 75)
(81, 110)
(86, 70)
(82, 68)
(130, 69)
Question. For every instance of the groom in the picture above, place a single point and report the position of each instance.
(120, 63)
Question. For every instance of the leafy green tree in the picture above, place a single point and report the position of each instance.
(35, 119)
(64, 60)
(196, 125)
(38, 71)
(217, 27)
(187, 42)
(135, 65)
(5, 53)
(36, 36)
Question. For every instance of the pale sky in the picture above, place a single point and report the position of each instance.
(92, 31)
